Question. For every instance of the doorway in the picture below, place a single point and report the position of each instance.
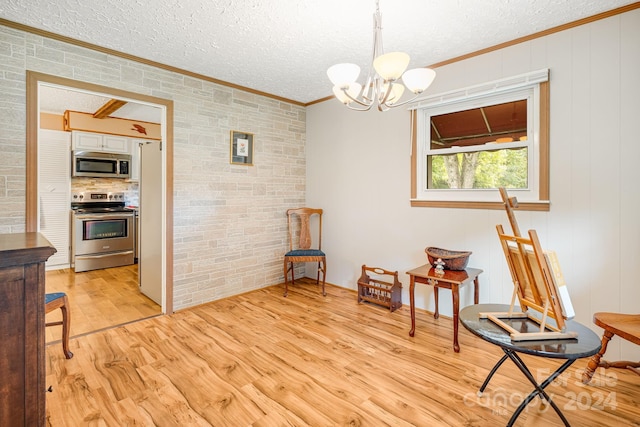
(34, 80)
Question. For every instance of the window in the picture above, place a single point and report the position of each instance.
(470, 142)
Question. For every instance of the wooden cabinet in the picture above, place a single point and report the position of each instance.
(22, 370)
(91, 141)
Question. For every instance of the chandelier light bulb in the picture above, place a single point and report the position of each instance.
(417, 80)
(353, 90)
(343, 75)
(390, 66)
(396, 93)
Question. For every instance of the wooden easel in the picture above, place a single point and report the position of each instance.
(534, 280)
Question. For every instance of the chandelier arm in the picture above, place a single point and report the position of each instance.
(376, 85)
(388, 92)
(403, 102)
(369, 87)
(358, 109)
(357, 101)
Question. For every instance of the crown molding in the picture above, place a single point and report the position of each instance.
(113, 52)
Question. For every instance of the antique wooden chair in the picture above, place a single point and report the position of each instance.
(52, 302)
(626, 326)
(298, 223)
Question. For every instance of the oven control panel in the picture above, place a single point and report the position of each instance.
(88, 197)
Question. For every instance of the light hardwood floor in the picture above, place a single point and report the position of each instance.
(260, 359)
(98, 299)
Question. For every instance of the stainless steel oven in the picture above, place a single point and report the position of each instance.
(103, 231)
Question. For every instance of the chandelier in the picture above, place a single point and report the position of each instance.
(382, 86)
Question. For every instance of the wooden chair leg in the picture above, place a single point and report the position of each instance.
(293, 273)
(594, 362)
(66, 326)
(286, 283)
(324, 275)
(62, 303)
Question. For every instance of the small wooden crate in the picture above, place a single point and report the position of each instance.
(380, 292)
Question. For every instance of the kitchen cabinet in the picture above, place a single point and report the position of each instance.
(115, 144)
(22, 276)
(54, 193)
(91, 141)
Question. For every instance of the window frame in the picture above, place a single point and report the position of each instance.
(532, 86)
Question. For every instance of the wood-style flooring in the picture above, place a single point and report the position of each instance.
(260, 359)
(98, 299)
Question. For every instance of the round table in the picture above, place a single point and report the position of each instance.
(586, 344)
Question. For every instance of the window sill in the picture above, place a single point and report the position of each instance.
(542, 206)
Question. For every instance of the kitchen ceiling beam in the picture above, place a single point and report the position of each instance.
(108, 108)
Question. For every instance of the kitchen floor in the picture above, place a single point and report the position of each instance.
(98, 299)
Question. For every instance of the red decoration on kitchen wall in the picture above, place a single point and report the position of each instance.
(139, 129)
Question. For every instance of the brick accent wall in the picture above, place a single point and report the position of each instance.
(229, 220)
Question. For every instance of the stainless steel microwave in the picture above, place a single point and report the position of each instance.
(98, 164)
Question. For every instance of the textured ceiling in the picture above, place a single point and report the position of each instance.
(57, 100)
(283, 47)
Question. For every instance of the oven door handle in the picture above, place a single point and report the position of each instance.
(103, 216)
(103, 256)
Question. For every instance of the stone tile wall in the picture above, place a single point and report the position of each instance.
(229, 221)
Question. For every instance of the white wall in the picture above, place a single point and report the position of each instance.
(358, 171)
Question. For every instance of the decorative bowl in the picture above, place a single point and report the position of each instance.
(453, 260)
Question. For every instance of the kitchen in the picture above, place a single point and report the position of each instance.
(98, 165)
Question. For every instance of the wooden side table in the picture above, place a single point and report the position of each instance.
(450, 279)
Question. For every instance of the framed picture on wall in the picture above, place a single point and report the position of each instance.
(241, 148)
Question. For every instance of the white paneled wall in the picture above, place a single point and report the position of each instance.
(358, 171)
